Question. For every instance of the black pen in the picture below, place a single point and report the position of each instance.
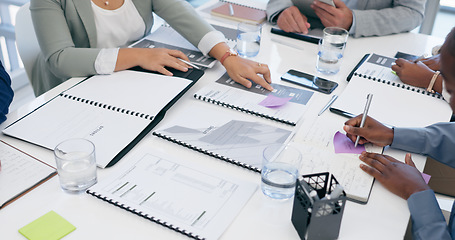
(342, 113)
(305, 38)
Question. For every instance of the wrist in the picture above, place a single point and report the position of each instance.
(432, 82)
(228, 54)
(389, 135)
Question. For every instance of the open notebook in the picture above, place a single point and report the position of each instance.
(113, 111)
(20, 173)
(394, 103)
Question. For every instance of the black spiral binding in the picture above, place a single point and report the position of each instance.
(400, 85)
(225, 1)
(212, 154)
(108, 107)
(146, 216)
(206, 99)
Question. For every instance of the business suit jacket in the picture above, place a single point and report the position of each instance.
(66, 34)
(438, 142)
(372, 17)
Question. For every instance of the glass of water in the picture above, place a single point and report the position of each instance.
(76, 165)
(280, 169)
(331, 49)
(248, 39)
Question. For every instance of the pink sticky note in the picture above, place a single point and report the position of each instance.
(272, 101)
(344, 145)
(426, 177)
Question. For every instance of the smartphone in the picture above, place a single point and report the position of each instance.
(330, 2)
(310, 81)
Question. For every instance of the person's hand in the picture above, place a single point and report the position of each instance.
(432, 62)
(339, 16)
(415, 74)
(240, 70)
(154, 59)
(292, 20)
(372, 131)
(402, 179)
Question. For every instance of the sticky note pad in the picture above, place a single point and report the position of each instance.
(273, 102)
(344, 145)
(50, 226)
(426, 177)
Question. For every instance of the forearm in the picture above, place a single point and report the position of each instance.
(219, 50)
(128, 58)
(435, 141)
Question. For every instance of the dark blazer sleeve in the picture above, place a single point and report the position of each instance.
(6, 93)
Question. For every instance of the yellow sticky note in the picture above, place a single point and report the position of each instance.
(50, 226)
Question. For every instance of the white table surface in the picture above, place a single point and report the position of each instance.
(384, 217)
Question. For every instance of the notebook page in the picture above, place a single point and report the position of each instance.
(19, 172)
(177, 193)
(226, 133)
(316, 144)
(392, 105)
(63, 118)
(131, 90)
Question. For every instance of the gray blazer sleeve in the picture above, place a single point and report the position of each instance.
(399, 16)
(427, 219)
(60, 57)
(274, 7)
(436, 141)
(183, 18)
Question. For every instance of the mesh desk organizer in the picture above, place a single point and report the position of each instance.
(317, 219)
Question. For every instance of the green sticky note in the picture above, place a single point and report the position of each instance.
(50, 226)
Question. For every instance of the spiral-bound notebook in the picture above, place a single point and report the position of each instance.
(113, 111)
(231, 137)
(189, 198)
(238, 12)
(228, 93)
(394, 103)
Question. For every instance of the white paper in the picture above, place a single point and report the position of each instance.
(132, 101)
(227, 91)
(19, 172)
(224, 135)
(191, 197)
(392, 105)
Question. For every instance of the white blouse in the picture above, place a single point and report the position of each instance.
(123, 26)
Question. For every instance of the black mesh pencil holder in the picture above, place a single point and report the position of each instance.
(313, 216)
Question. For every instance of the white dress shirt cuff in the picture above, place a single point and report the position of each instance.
(445, 94)
(352, 29)
(106, 60)
(209, 41)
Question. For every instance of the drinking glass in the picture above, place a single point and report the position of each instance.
(248, 39)
(76, 165)
(331, 50)
(280, 168)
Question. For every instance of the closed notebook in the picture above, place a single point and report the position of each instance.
(240, 13)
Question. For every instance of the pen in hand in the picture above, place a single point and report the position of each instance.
(364, 117)
(189, 63)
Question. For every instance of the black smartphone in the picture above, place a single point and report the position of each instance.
(310, 81)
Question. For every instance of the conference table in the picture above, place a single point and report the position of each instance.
(385, 216)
